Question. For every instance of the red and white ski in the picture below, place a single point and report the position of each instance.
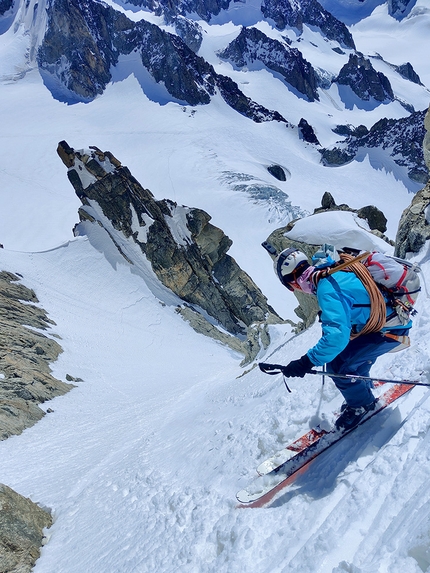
(297, 446)
(282, 469)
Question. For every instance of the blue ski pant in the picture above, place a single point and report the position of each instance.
(358, 358)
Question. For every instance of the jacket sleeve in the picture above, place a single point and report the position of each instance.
(336, 322)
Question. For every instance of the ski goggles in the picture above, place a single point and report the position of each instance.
(292, 284)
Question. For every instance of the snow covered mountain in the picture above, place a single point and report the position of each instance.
(249, 111)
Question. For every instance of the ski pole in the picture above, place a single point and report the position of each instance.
(383, 380)
(278, 369)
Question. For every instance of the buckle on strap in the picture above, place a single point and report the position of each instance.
(402, 339)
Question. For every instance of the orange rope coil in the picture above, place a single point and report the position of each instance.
(378, 311)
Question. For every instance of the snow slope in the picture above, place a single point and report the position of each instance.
(140, 462)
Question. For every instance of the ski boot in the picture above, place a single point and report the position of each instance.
(351, 417)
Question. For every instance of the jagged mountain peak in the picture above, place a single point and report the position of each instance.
(176, 243)
(192, 53)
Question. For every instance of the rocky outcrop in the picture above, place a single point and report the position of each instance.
(22, 525)
(401, 139)
(25, 382)
(359, 74)
(185, 251)
(414, 229)
(84, 40)
(190, 32)
(407, 71)
(336, 156)
(204, 9)
(25, 355)
(307, 132)
(374, 217)
(243, 104)
(277, 172)
(308, 307)
(426, 141)
(252, 46)
(287, 13)
(5, 5)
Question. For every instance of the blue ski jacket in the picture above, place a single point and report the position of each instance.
(340, 297)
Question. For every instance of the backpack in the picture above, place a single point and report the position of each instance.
(397, 279)
(399, 282)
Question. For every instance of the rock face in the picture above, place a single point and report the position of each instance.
(308, 308)
(84, 40)
(190, 32)
(359, 74)
(414, 229)
(5, 5)
(186, 252)
(277, 172)
(205, 9)
(288, 13)
(401, 138)
(252, 46)
(408, 72)
(25, 355)
(21, 531)
(307, 132)
(25, 382)
(426, 142)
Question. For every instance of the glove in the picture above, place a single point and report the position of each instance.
(298, 368)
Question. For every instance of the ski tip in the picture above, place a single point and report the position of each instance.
(245, 497)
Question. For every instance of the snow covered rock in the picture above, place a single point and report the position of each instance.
(294, 14)
(400, 140)
(252, 46)
(407, 71)
(374, 217)
(205, 9)
(359, 74)
(84, 41)
(21, 531)
(190, 32)
(277, 171)
(186, 252)
(338, 225)
(307, 132)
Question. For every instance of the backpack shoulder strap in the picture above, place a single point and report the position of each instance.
(378, 309)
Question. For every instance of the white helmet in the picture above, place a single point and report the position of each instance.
(289, 265)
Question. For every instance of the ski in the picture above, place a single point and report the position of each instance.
(301, 453)
(298, 445)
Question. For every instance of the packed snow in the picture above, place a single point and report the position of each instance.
(140, 462)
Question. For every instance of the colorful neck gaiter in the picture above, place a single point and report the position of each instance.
(304, 281)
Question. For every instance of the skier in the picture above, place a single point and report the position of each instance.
(345, 308)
